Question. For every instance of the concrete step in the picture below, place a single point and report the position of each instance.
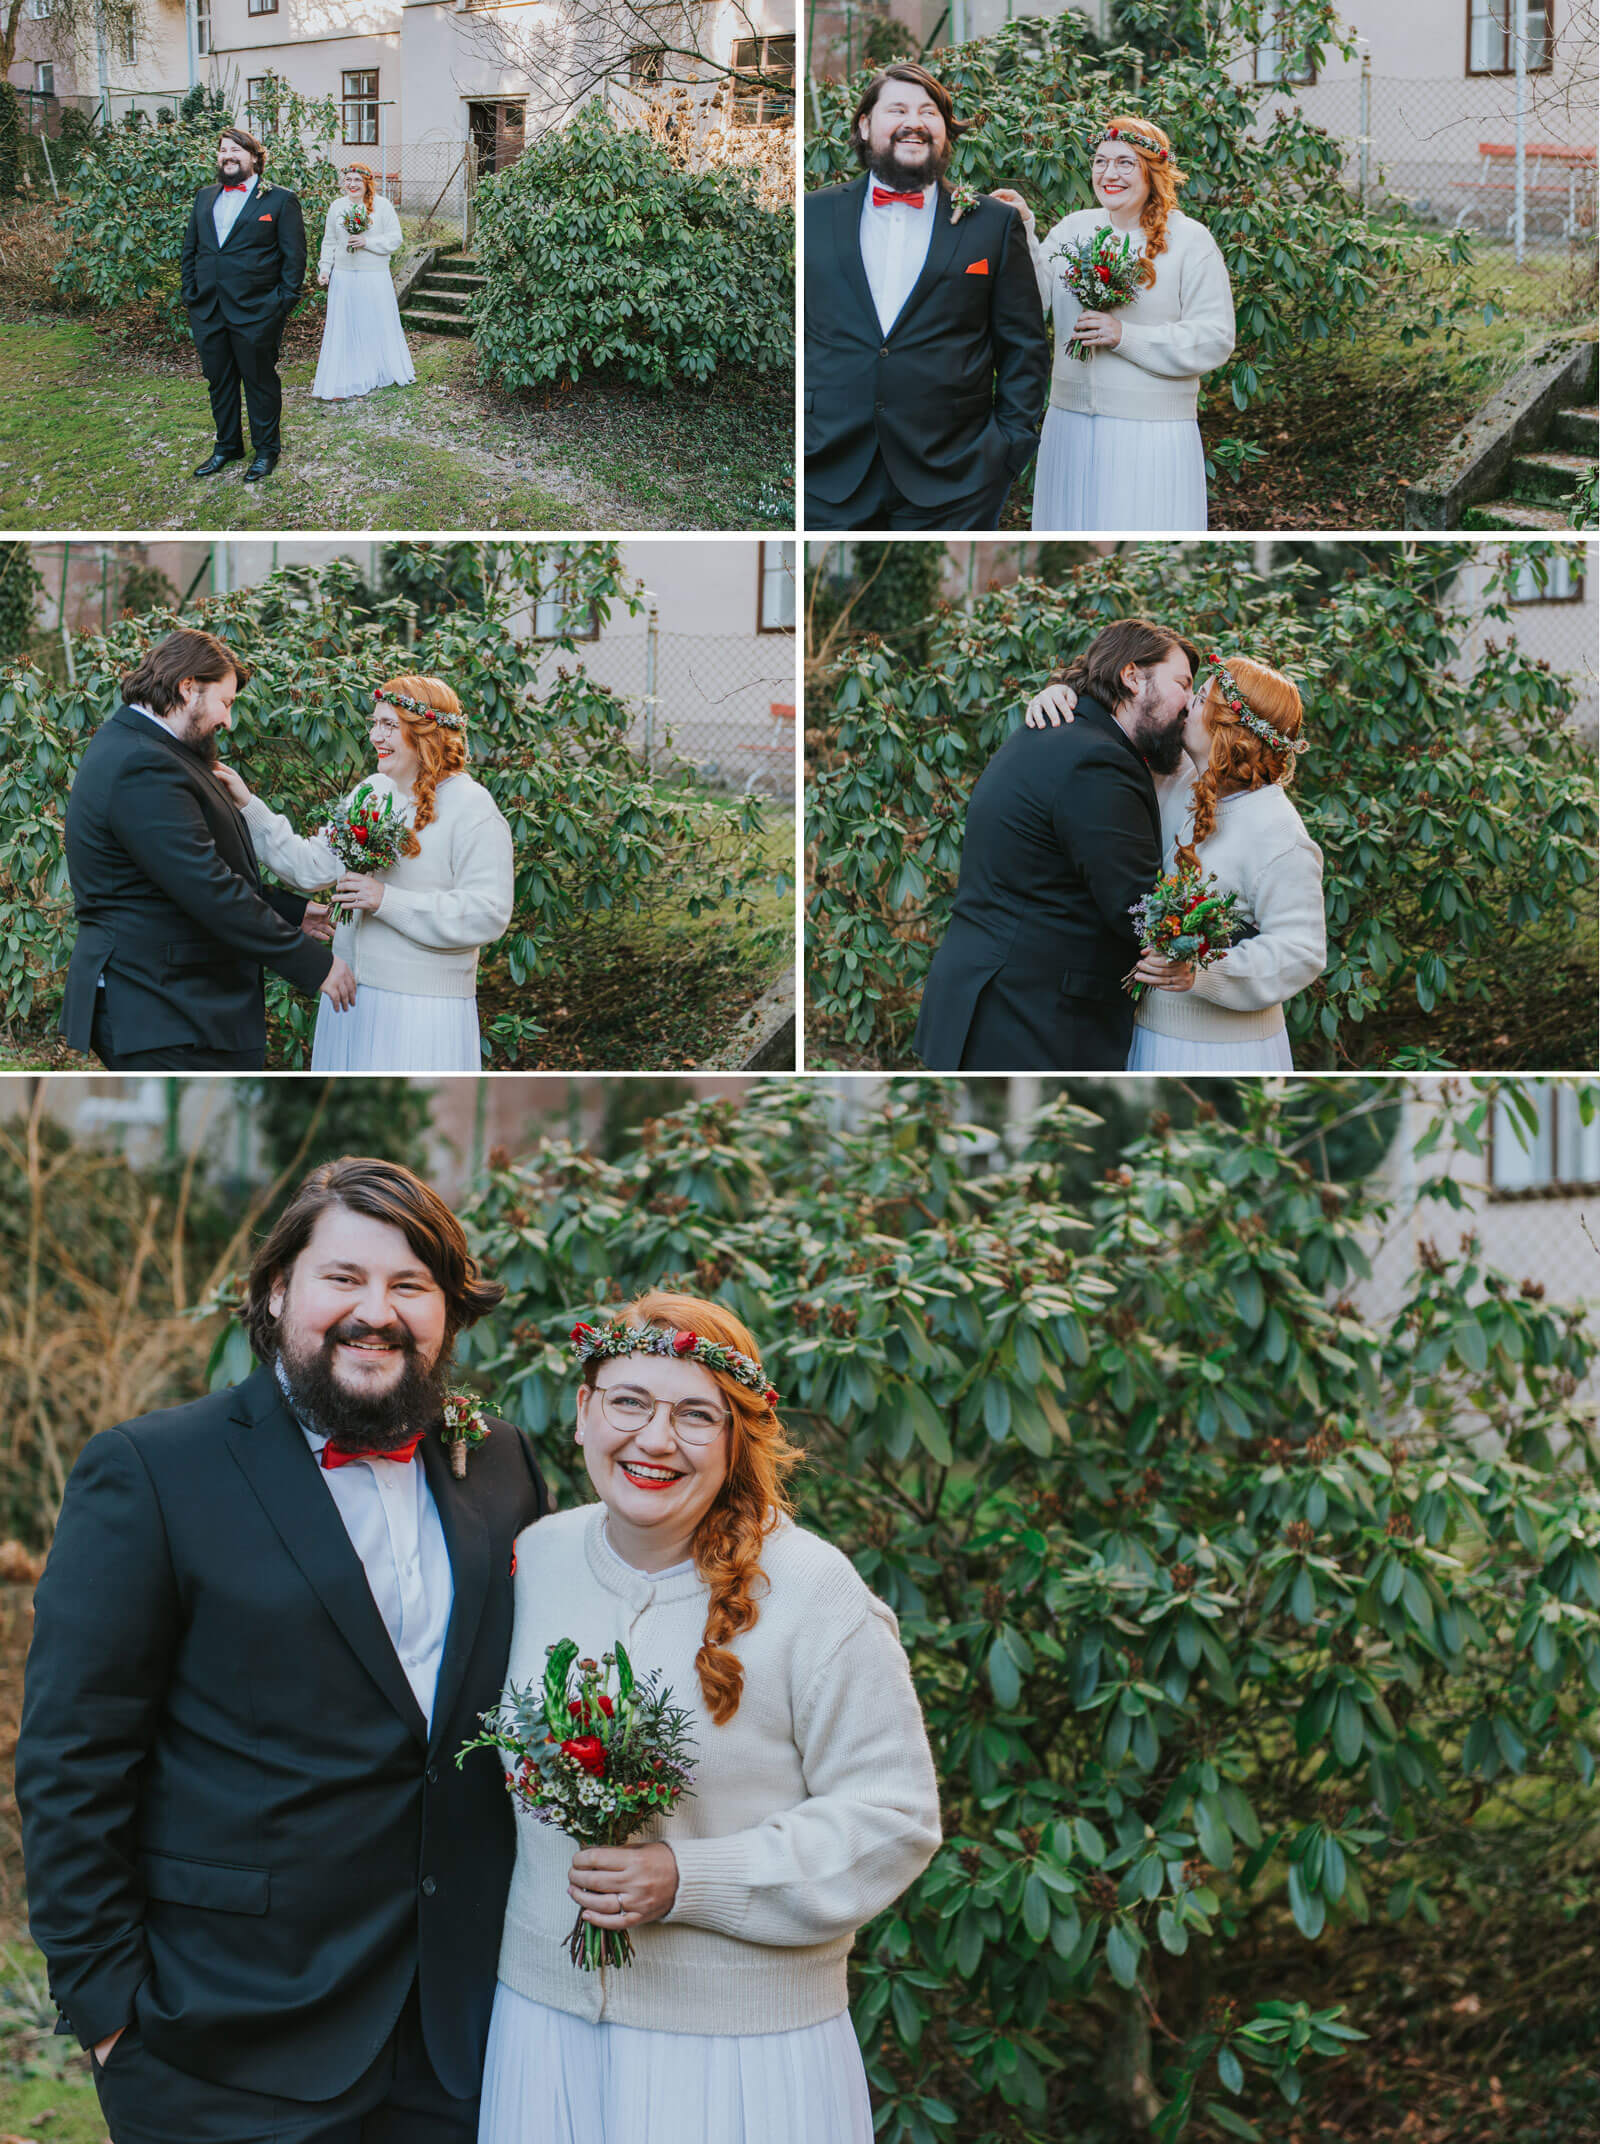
(1543, 478)
(428, 322)
(439, 279)
(1514, 514)
(456, 263)
(444, 301)
(1577, 430)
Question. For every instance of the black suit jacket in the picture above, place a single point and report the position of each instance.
(237, 1828)
(954, 392)
(1063, 835)
(169, 901)
(253, 281)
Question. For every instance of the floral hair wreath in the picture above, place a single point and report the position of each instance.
(1136, 135)
(447, 718)
(1289, 747)
(590, 1342)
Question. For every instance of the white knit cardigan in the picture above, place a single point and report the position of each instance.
(1260, 850)
(814, 1806)
(1173, 333)
(438, 907)
(383, 238)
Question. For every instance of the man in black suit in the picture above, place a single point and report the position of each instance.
(244, 260)
(174, 926)
(927, 362)
(268, 1898)
(1063, 835)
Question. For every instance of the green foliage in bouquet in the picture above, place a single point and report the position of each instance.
(600, 254)
(1241, 1616)
(1306, 265)
(1452, 799)
(131, 199)
(593, 833)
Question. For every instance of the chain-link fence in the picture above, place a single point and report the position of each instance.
(429, 183)
(1555, 620)
(719, 707)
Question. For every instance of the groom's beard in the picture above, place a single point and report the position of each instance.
(905, 171)
(1159, 745)
(191, 731)
(354, 1421)
(226, 177)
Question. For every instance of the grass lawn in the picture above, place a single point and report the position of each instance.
(46, 2093)
(101, 436)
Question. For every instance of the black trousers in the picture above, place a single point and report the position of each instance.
(176, 1057)
(398, 2101)
(879, 503)
(235, 357)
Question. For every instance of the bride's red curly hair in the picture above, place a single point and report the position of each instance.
(727, 1542)
(1239, 758)
(1165, 179)
(440, 752)
(369, 184)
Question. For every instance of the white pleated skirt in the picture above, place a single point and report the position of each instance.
(363, 343)
(1102, 474)
(551, 2078)
(1186, 1053)
(392, 1031)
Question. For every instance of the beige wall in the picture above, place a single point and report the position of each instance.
(161, 57)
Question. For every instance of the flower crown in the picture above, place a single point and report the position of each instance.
(1289, 747)
(1139, 138)
(598, 1341)
(447, 718)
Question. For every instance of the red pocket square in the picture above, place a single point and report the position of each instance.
(263, 219)
(977, 267)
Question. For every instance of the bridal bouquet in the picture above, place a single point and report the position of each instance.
(1185, 917)
(365, 836)
(1102, 273)
(597, 1765)
(356, 218)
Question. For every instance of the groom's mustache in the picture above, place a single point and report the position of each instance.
(354, 1330)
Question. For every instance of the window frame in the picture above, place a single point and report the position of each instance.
(782, 99)
(1555, 1186)
(358, 101)
(778, 544)
(590, 629)
(1543, 600)
(1279, 81)
(261, 7)
(1492, 74)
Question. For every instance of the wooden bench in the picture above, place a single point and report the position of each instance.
(1555, 178)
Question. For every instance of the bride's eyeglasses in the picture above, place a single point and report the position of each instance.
(693, 1421)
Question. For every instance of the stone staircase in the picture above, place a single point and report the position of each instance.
(1539, 476)
(437, 303)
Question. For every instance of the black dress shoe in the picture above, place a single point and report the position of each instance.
(218, 460)
(263, 465)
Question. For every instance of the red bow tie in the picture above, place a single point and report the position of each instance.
(402, 1453)
(881, 197)
(234, 186)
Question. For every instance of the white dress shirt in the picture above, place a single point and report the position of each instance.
(228, 207)
(894, 246)
(393, 1524)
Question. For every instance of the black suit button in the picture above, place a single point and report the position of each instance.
(884, 352)
(432, 1775)
(877, 405)
(428, 1887)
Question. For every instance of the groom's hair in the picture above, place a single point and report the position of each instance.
(189, 653)
(382, 1191)
(255, 150)
(906, 71)
(1098, 670)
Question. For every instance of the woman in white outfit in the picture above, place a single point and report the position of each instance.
(1225, 813)
(1121, 446)
(814, 1802)
(363, 343)
(412, 935)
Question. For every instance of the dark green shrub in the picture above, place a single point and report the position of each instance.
(600, 254)
(10, 141)
(1453, 801)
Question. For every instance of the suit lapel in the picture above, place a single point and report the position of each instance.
(467, 1539)
(234, 843)
(847, 247)
(251, 201)
(941, 246)
(275, 1459)
(1101, 716)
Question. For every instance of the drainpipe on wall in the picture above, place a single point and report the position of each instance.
(652, 671)
(191, 38)
(1520, 33)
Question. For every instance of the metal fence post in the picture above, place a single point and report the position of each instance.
(1520, 214)
(1364, 125)
(652, 672)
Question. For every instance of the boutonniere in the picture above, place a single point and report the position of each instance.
(464, 1426)
(963, 200)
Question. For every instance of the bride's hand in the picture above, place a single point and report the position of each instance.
(358, 889)
(620, 1886)
(1104, 330)
(233, 783)
(1055, 705)
(1163, 974)
(323, 281)
(1012, 199)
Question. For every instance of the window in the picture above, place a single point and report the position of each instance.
(1563, 583)
(202, 27)
(1273, 64)
(1492, 29)
(38, 10)
(1560, 1153)
(44, 77)
(775, 591)
(767, 99)
(258, 114)
(644, 67)
(261, 7)
(554, 618)
(361, 104)
(127, 45)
